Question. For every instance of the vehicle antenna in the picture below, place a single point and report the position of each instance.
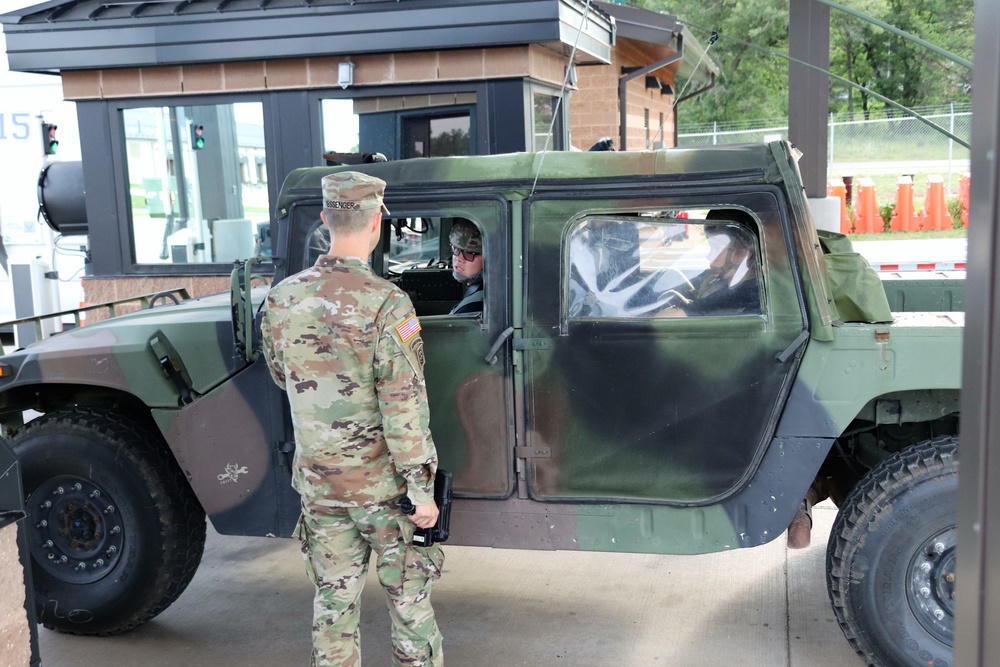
(711, 40)
(562, 93)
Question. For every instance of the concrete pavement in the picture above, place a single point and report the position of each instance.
(250, 605)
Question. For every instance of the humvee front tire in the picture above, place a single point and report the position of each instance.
(114, 530)
(891, 558)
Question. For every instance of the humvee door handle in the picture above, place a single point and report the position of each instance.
(491, 356)
(782, 357)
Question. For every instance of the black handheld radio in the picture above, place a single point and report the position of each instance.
(425, 537)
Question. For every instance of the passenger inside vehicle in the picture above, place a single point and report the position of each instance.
(467, 265)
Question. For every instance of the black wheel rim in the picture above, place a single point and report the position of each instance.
(75, 531)
(931, 590)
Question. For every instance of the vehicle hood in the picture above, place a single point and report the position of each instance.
(124, 352)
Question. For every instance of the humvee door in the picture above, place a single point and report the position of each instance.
(471, 401)
(668, 343)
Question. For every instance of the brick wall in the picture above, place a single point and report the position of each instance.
(593, 107)
(304, 73)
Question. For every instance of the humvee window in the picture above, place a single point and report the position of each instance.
(413, 242)
(317, 243)
(418, 258)
(651, 266)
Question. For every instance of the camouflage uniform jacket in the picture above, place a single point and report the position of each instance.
(344, 344)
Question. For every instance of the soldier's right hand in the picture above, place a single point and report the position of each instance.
(425, 516)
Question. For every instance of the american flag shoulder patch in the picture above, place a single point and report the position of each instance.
(408, 328)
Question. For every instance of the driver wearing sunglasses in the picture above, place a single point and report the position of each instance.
(467, 265)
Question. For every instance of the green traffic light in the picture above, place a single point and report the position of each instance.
(197, 137)
(53, 146)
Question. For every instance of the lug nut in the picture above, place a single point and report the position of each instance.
(41, 524)
(926, 592)
(116, 530)
(77, 486)
(98, 562)
(112, 549)
(950, 577)
(939, 614)
(47, 504)
(59, 491)
(925, 566)
(48, 543)
(80, 566)
(63, 559)
(110, 509)
(95, 494)
(939, 548)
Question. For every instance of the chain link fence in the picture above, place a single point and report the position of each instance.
(884, 136)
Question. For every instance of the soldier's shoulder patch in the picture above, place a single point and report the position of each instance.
(408, 328)
(417, 350)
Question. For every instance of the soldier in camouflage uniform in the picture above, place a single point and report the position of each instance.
(467, 265)
(345, 345)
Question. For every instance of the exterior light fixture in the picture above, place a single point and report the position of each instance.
(345, 74)
(571, 75)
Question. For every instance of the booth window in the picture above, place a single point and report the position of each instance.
(436, 135)
(193, 198)
(547, 135)
(341, 126)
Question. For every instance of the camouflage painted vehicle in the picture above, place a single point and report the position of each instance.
(597, 403)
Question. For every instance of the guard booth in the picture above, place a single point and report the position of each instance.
(192, 112)
(18, 631)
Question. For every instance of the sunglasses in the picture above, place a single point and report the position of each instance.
(467, 255)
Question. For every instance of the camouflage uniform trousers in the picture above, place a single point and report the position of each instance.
(337, 544)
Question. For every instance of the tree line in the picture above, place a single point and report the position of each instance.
(754, 84)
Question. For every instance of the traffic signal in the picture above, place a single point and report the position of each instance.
(49, 142)
(197, 137)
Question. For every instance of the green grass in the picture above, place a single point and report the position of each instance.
(921, 148)
(904, 236)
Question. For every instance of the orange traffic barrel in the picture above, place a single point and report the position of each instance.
(866, 216)
(836, 188)
(935, 214)
(904, 218)
(964, 183)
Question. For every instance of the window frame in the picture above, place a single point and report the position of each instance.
(478, 112)
(120, 175)
(429, 113)
(560, 131)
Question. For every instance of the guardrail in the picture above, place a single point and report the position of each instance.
(176, 295)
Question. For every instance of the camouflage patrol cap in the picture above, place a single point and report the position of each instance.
(353, 191)
(466, 236)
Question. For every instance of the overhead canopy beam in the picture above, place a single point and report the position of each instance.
(809, 90)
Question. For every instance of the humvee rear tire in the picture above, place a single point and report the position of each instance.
(114, 530)
(891, 558)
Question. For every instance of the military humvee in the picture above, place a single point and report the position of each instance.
(603, 399)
